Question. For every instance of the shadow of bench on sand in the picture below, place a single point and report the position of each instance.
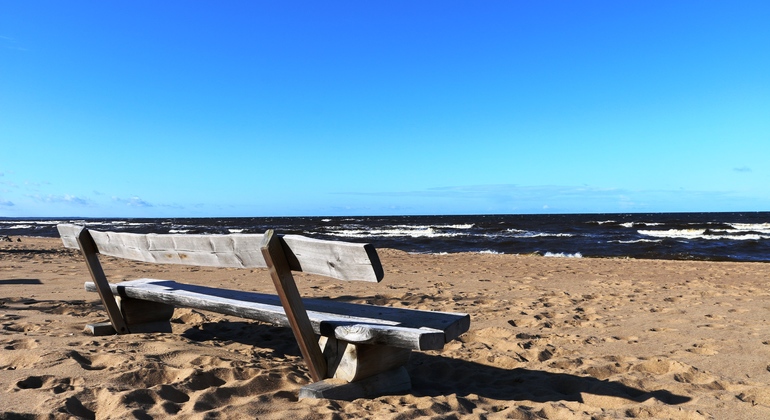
(20, 281)
(435, 375)
(461, 377)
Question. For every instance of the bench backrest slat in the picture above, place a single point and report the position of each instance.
(340, 260)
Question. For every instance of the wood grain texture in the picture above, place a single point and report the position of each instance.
(355, 323)
(88, 249)
(137, 311)
(353, 362)
(336, 259)
(292, 305)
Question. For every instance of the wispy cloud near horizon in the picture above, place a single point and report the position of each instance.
(66, 198)
(133, 201)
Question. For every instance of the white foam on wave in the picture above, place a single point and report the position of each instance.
(421, 227)
(518, 233)
(29, 223)
(675, 233)
(391, 233)
(636, 241)
(411, 231)
(178, 230)
(235, 230)
(563, 255)
(701, 234)
(751, 227)
(634, 224)
(462, 226)
(20, 227)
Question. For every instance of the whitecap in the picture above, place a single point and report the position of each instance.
(563, 255)
(518, 233)
(751, 227)
(20, 227)
(675, 233)
(702, 234)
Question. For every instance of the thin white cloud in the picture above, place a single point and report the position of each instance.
(10, 43)
(66, 199)
(6, 203)
(133, 201)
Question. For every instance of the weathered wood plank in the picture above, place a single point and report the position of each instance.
(292, 305)
(137, 311)
(69, 235)
(340, 260)
(88, 249)
(355, 323)
(100, 329)
(353, 362)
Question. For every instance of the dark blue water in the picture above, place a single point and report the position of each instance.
(679, 236)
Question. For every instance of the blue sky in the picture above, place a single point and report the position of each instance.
(248, 108)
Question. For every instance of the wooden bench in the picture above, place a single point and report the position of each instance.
(362, 348)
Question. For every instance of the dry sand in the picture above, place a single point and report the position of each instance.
(550, 338)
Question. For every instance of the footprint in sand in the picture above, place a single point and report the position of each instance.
(49, 382)
(754, 396)
(21, 327)
(75, 407)
(660, 366)
(704, 349)
(701, 379)
(12, 360)
(88, 362)
(24, 344)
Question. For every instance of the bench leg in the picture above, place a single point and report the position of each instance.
(392, 382)
(141, 316)
(353, 362)
(360, 371)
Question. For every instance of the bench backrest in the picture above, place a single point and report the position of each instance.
(339, 260)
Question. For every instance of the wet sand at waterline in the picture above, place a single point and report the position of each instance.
(555, 338)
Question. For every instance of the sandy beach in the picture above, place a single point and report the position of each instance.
(555, 338)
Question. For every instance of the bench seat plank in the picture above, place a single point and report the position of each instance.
(355, 323)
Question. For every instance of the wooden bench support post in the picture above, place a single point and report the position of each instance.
(144, 316)
(392, 382)
(140, 316)
(360, 371)
(292, 304)
(88, 247)
(353, 362)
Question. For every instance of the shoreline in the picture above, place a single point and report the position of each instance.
(549, 338)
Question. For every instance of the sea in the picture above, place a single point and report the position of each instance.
(672, 236)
